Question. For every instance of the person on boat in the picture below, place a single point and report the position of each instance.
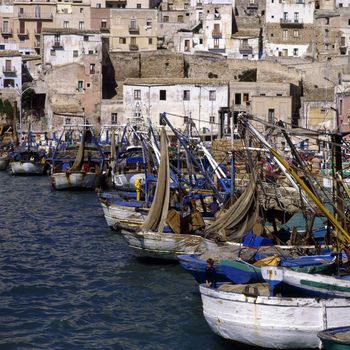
(138, 186)
(210, 274)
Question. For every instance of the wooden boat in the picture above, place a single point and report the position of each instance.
(28, 162)
(316, 285)
(247, 314)
(239, 271)
(337, 338)
(163, 245)
(82, 174)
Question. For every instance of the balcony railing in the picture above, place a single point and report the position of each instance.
(216, 34)
(57, 45)
(9, 70)
(246, 50)
(291, 23)
(217, 49)
(22, 32)
(6, 31)
(133, 47)
(35, 16)
(134, 29)
(252, 7)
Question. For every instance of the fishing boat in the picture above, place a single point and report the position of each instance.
(84, 172)
(28, 162)
(315, 285)
(247, 314)
(337, 338)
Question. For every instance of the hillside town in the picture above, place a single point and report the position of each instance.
(111, 60)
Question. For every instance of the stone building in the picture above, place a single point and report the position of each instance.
(133, 30)
(289, 27)
(73, 75)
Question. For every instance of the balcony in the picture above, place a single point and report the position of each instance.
(245, 50)
(199, 4)
(216, 34)
(252, 7)
(22, 32)
(133, 47)
(216, 50)
(134, 29)
(57, 45)
(36, 16)
(6, 31)
(9, 71)
(289, 23)
(104, 29)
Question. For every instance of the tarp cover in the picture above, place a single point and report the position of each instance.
(239, 218)
(159, 210)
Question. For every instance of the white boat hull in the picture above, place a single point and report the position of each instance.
(27, 168)
(74, 180)
(272, 322)
(165, 246)
(114, 214)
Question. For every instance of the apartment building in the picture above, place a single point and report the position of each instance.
(133, 30)
(289, 27)
(73, 14)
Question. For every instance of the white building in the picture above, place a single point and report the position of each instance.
(65, 46)
(204, 101)
(289, 27)
(10, 70)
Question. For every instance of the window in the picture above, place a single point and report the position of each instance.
(88, 85)
(137, 94)
(245, 97)
(98, 6)
(342, 41)
(296, 17)
(285, 16)
(52, 52)
(186, 95)
(122, 40)
(2, 47)
(216, 43)
(180, 19)
(138, 6)
(81, 26)
(212, 95)
(201, 41)
(92, 68)
(327, 20)
(80, 85)
(285, 34)
(75, 53)
(166, 19)
(238, 99)
(86, 37)
(150, 41)
(162, 95)
(81, 10)
(212, 119)
(57, 39)
(91, 52)
(21, 10)
(295, 52)
(114, 118)
(65, 24)
(68, 121)
(133, 24)
(133, 40)
(104, 23)
(149, 24)
(296, 33)
(271, 115)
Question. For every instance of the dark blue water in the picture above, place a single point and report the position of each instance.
(68, 282)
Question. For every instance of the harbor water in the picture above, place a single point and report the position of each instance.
(68, 282)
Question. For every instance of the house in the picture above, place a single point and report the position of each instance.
(204, 102)
(10, 70)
